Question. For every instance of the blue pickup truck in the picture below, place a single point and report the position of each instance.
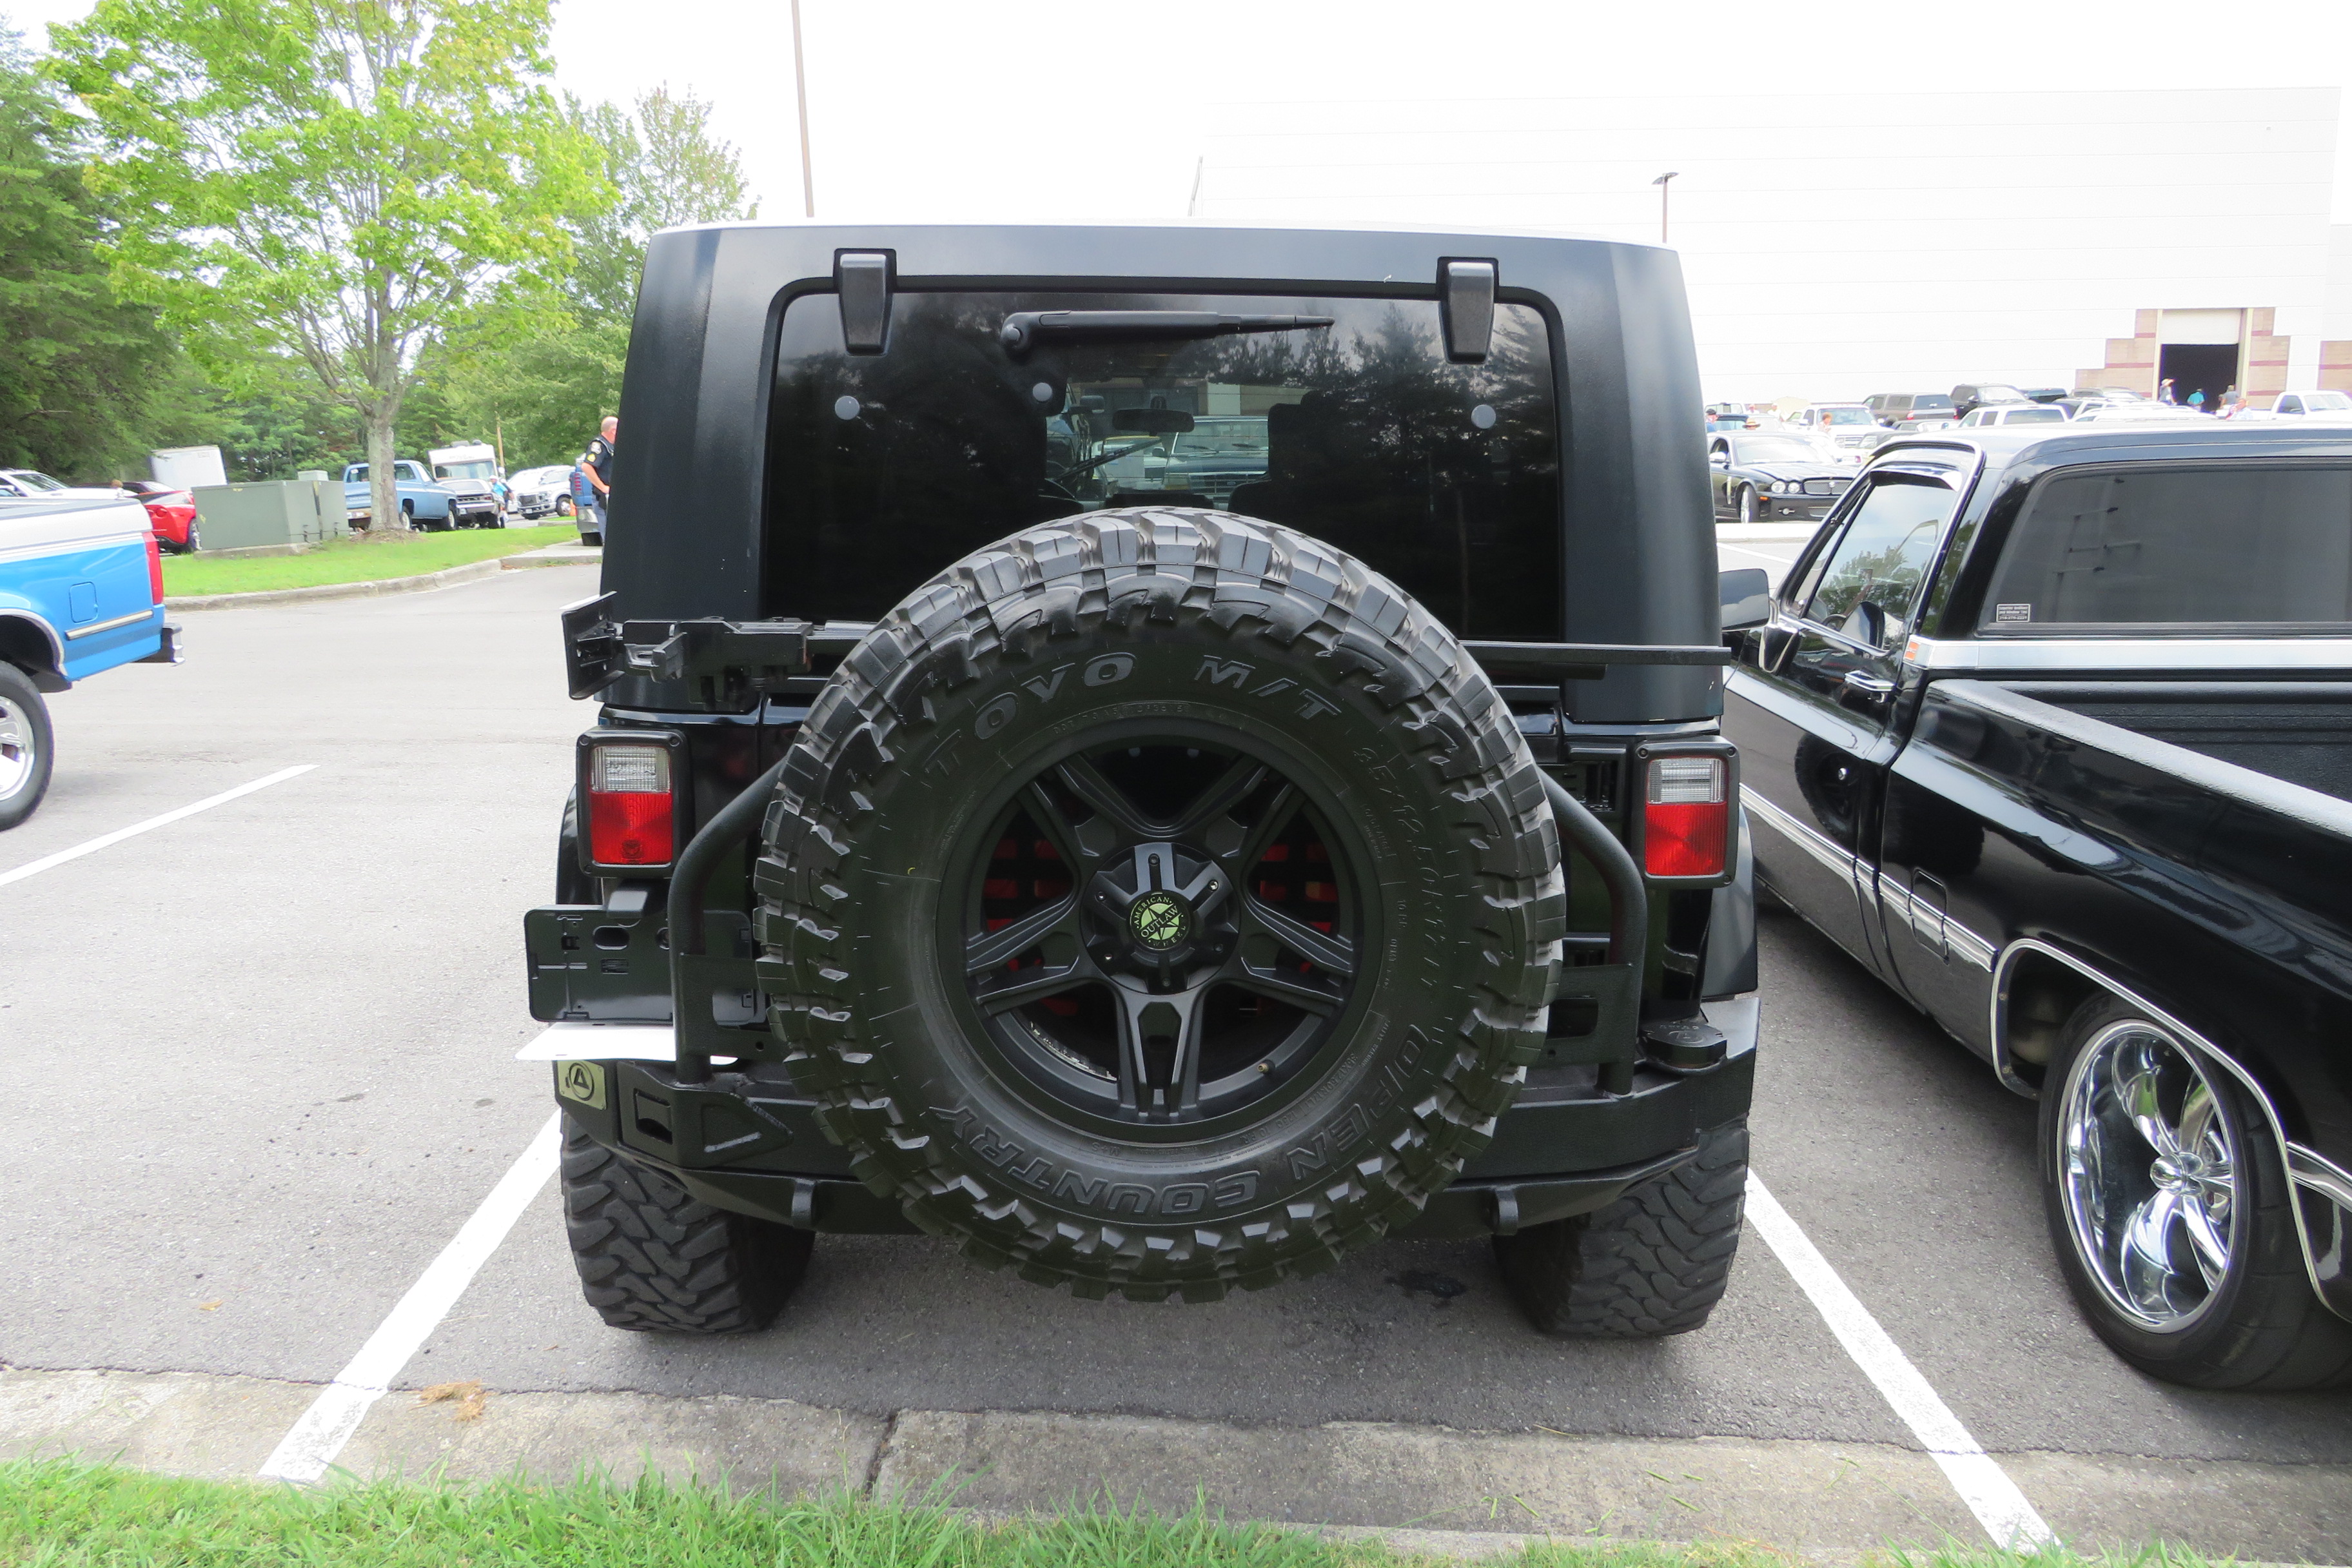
(426, 503)
(81, 590)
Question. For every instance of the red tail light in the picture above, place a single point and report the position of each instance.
(632, 817)
(1686, 822)
(154, 570)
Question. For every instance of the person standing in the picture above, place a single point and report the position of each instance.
(2197, 399)
(2164, 390)
(596, 466)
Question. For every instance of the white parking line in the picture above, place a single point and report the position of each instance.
(1982, 1484)
(120, 834)
(312, 1443)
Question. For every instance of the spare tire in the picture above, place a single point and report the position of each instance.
(1159, 901)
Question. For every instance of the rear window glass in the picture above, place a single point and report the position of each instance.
(2179, 549)
(1935, 400)
(883, 470)
(2040, 414)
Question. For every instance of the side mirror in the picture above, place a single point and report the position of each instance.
(1747, 598)
(1719, 459)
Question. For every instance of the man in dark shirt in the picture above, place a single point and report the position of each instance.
(596, 463)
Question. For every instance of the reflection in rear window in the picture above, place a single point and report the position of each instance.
(2180, 549)
(884, 469)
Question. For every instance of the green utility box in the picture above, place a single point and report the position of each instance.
(274, 511)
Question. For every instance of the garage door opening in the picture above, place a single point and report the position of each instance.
(2210, 368)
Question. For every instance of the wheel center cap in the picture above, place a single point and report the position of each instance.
(1159, 920)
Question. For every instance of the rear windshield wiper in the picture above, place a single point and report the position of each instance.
(1024, 329)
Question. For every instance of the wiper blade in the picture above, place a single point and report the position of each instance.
(1024, 329)
(1091, 463)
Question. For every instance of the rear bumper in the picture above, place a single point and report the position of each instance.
(747, 1142)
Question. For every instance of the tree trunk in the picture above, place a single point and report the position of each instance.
(384, 494)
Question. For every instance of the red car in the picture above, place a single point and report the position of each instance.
(172, 514)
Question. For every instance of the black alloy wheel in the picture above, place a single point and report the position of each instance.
(1157, 931)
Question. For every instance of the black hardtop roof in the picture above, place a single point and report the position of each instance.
(690, 465)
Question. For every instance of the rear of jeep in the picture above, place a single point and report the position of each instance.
(1168, 756)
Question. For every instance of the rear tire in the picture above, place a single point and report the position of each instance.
(25, 752)
(2249, 1320)
(653, 1258)
(1653, 1263)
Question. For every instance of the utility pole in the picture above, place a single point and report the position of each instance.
(1660, 182)
(800, 89)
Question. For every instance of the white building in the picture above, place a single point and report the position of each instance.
(1846, 244)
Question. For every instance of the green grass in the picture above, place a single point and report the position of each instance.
(61, 1513)
(366, 558)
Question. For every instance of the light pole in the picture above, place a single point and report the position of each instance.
(1660, 182)
(800, 88)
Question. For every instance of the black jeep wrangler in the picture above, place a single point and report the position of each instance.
(1158, 891)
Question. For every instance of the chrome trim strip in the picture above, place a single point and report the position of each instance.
(1826, 850)
(2186, 1034)
(2171, 655)
(2324, 813)
(1954, 938)
(79, 632)
(1966, 945)
(2312, 1168)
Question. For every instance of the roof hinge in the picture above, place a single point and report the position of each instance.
(1465, 301)
(862, 279)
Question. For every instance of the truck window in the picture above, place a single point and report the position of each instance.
(2179, 549)
(1445, 477)
(1889, 539)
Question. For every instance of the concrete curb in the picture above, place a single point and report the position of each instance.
(449, 577)
(1465, 1495)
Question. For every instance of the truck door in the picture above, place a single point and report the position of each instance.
(1810, 701)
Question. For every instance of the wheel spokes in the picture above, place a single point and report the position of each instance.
(1146, 1020)
(1018, 987)
(1083, 779)
(1300, 990)
(1230, 788)
(997, 948)
(1335, 953)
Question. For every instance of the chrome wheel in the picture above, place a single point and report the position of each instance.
(1746, 504)
(2148, 1176)
(20, 756)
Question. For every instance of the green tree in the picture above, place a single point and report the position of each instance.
(655, 165)
(327, 181)
(80, 370)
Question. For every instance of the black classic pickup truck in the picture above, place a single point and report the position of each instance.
(2054, 733)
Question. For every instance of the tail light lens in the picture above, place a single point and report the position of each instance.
(1685, 827)
(154, 569)
(632, 816)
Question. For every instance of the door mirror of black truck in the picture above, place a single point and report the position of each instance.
(1747, 598)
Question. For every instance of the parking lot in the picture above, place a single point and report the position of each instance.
(263, 1074)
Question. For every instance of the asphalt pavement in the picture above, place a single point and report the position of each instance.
(262, 1074)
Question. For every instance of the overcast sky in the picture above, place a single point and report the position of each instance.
(1003, 109)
